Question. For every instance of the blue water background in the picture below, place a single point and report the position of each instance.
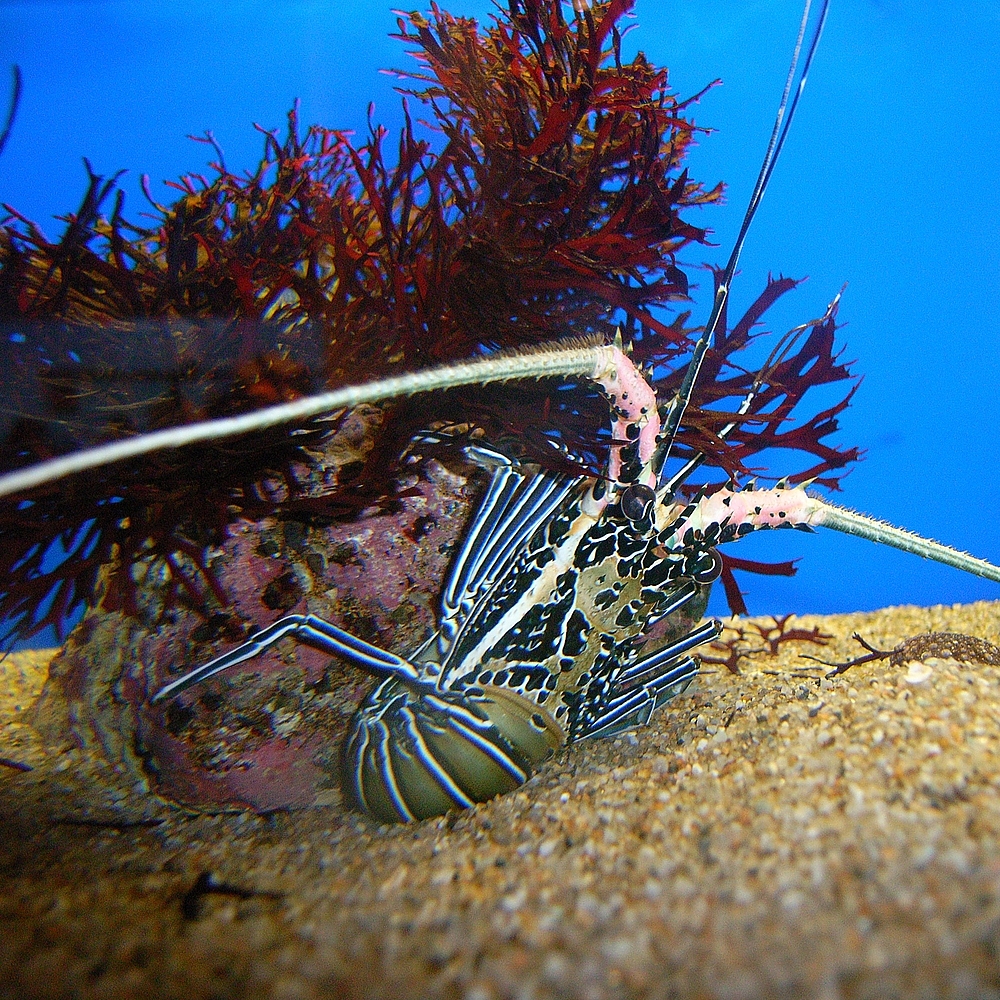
(889, 183)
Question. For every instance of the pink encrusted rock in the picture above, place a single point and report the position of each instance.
(266, 735)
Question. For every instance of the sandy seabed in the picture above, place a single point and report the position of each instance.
(772, 833)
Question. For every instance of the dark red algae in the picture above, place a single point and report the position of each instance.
(550, 201)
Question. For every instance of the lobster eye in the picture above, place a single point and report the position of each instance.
(712, 572)
(636, 501)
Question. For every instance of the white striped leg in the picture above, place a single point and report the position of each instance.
(515, 504)
(672, 672)
(635, 708)
(311, 631)
(657, 660)
(685, 590)
(673, 414)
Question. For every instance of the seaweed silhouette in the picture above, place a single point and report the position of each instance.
(544, 197)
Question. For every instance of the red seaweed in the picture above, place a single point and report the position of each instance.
(772, 636)
(548, 198)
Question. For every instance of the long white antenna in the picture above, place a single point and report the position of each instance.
(574, 357)
(882, 533)
(678, 405)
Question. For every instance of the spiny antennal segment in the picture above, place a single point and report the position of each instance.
(852, 523)
(736, 513)
(678, 405)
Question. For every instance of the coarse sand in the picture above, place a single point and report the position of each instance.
(772, 833)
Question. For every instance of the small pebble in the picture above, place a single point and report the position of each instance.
(918, 672)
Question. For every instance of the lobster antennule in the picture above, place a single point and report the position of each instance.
(667, 484)
(675, 409)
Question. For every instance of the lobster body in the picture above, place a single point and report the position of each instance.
(554, 649)
(412, 754)
(575, 606)
(569, 612)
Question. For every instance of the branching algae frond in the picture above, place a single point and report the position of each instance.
(553, 204)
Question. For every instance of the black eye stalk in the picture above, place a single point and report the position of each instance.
(712, 571)
(637, 501)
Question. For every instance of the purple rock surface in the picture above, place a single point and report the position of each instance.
(266, 734)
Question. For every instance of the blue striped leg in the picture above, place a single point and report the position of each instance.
(307, 629)
(667, 672)
(645, 670)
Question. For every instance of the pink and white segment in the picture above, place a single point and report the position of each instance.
(635, 421)
(726, 514)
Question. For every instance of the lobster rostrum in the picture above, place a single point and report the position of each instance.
(571, 607)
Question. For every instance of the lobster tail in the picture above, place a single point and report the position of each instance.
(413, 753)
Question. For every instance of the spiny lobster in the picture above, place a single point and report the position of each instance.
(567, 612)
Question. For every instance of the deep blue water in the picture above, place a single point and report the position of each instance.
(889, 183)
